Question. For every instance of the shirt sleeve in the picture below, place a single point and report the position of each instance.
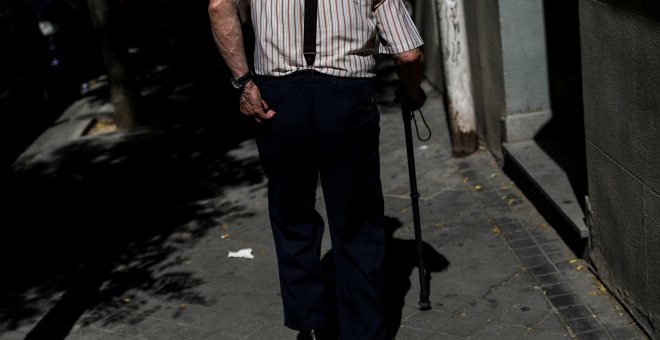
(396, 29)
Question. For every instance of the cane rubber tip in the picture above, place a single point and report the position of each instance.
(424, 305)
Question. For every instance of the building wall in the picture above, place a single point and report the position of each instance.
(483, 29)
(509, 65)
(621, 83)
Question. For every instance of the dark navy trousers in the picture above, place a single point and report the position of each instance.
(326, 127)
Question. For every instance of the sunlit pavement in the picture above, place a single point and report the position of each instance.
(499, 271)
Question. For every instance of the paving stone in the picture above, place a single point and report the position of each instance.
(441, 336)
(522, 307)
(234, 324)
(523, 243)
(584, 325)
(541, 335)
(542, 270)
(517, 235)
(135, 329)
(574, 312)
(12, 335)
(412, 333)
(562, 301)
(462, 326)
(558, 289)
(273, 332)
(529, 252)
(597, 335)
(549, 279)
(497, 330)
(522, 278)
(426, 320)
(553, 247)
(552, 323)
(191, 333)
(163, 330)
(628, 332)
(561, 256)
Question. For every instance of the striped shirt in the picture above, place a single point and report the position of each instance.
(349, 33)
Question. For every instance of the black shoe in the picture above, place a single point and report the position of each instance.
(311, 335)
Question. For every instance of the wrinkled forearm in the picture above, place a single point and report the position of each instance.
(226, 27)
(410, 68)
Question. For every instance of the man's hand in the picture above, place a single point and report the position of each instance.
(410, 68)
(253, 106)
(410, 100)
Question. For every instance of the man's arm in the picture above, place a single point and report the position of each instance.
(410, 68)
(399, 37)
(226, 27)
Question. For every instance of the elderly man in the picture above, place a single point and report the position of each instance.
(311, 93)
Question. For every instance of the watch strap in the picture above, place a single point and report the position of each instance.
(240, 82)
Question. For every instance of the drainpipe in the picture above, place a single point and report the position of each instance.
(460, 103)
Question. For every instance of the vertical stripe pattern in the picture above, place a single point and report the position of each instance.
(348, 35)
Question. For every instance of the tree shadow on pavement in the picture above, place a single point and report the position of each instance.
(106, 220)
(401, 263)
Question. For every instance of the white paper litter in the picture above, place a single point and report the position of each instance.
(243, 253)
(423, 147)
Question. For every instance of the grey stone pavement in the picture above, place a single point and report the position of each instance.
(499, 270)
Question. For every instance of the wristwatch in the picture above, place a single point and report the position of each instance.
(240, 82)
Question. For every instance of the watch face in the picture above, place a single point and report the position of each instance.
(235, 83)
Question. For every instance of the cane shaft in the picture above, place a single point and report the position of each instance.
(424, 302)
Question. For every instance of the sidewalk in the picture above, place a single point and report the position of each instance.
(499, 270)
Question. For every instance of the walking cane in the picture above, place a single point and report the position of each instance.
(424, 303)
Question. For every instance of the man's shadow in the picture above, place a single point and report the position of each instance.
(401, 260)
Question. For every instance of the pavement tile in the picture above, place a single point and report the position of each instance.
(529, 252)
(562, 301)
(522, 243)
(517, 235)
(597, 335)
(554, 247)
(498, 330)
(542, 270)
(191, 333)
(12, 335)
(566, 266)
(522, 278)
(441, 336)
(462, 326)
(541, 335)
(527, 310)
(163, 330)
(545, 235)
(552, 323)
(629, 332)
(426, 320)
(549, 279)
(405, 333)
(452, 302)
(584, 325)
(534, 261)
(574, 312)
(274, 332)
(561, 256)
(136, 329)
(558, 289)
